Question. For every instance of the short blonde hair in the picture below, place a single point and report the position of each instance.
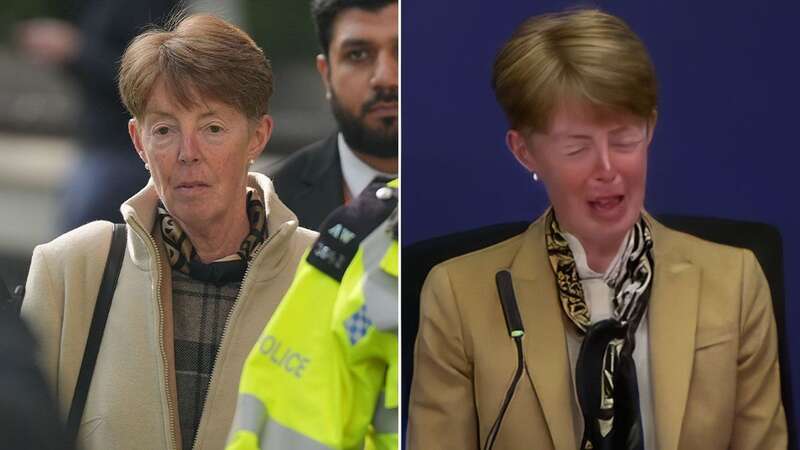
(198, 54)
(583, 54)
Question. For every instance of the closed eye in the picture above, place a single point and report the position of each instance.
(626, 145)
(574, 150)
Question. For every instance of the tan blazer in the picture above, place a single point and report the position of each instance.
(713, 351)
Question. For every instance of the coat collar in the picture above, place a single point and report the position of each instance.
(139, 213)
(672, 321)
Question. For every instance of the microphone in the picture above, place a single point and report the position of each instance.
(508, 301)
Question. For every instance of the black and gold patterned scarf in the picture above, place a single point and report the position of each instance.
(605, 375)
(183, 256)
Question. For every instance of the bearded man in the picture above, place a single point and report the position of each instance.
(358, 66)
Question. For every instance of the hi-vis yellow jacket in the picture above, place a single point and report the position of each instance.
(323, 375)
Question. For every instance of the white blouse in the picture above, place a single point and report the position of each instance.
(599, 299)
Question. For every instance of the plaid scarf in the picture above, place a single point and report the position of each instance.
(605, 375)
(183, 256)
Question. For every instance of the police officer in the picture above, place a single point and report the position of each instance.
(323, 375)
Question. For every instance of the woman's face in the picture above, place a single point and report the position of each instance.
(198, 157)
(594, 167)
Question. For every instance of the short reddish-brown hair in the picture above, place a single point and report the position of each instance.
(197, 54)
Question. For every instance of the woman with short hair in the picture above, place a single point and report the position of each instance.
(210, 249)
(636, 336)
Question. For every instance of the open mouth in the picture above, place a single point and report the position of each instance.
(607, 205)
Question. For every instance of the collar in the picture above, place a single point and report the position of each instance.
(582, 264)
(356, 173)
(139, 213)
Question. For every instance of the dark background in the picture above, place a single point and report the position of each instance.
(725, 145)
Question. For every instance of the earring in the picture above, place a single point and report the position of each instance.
(534, 176)
(251, 161)
(328, 95)
(147, 167)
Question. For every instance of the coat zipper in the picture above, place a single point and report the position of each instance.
(164, 358)
(236, 303)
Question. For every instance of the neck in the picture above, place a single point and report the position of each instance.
(218, 239)
(600, 252)
(385, 165)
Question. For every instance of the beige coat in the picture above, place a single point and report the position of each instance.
(713, 351)
(132, 402)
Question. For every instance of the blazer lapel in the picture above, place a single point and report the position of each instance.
(325, 157)
(545, 342)
(323, 186)
(321, 168)
(672, 321)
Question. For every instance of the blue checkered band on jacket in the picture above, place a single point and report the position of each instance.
(357, 325)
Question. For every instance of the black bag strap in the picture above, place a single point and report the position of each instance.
(103, 305)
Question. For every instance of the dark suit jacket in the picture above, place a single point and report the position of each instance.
(310, 182)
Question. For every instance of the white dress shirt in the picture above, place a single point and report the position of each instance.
(356, 173)
(599, 299)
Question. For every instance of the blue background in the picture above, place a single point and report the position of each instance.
(725, 145)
